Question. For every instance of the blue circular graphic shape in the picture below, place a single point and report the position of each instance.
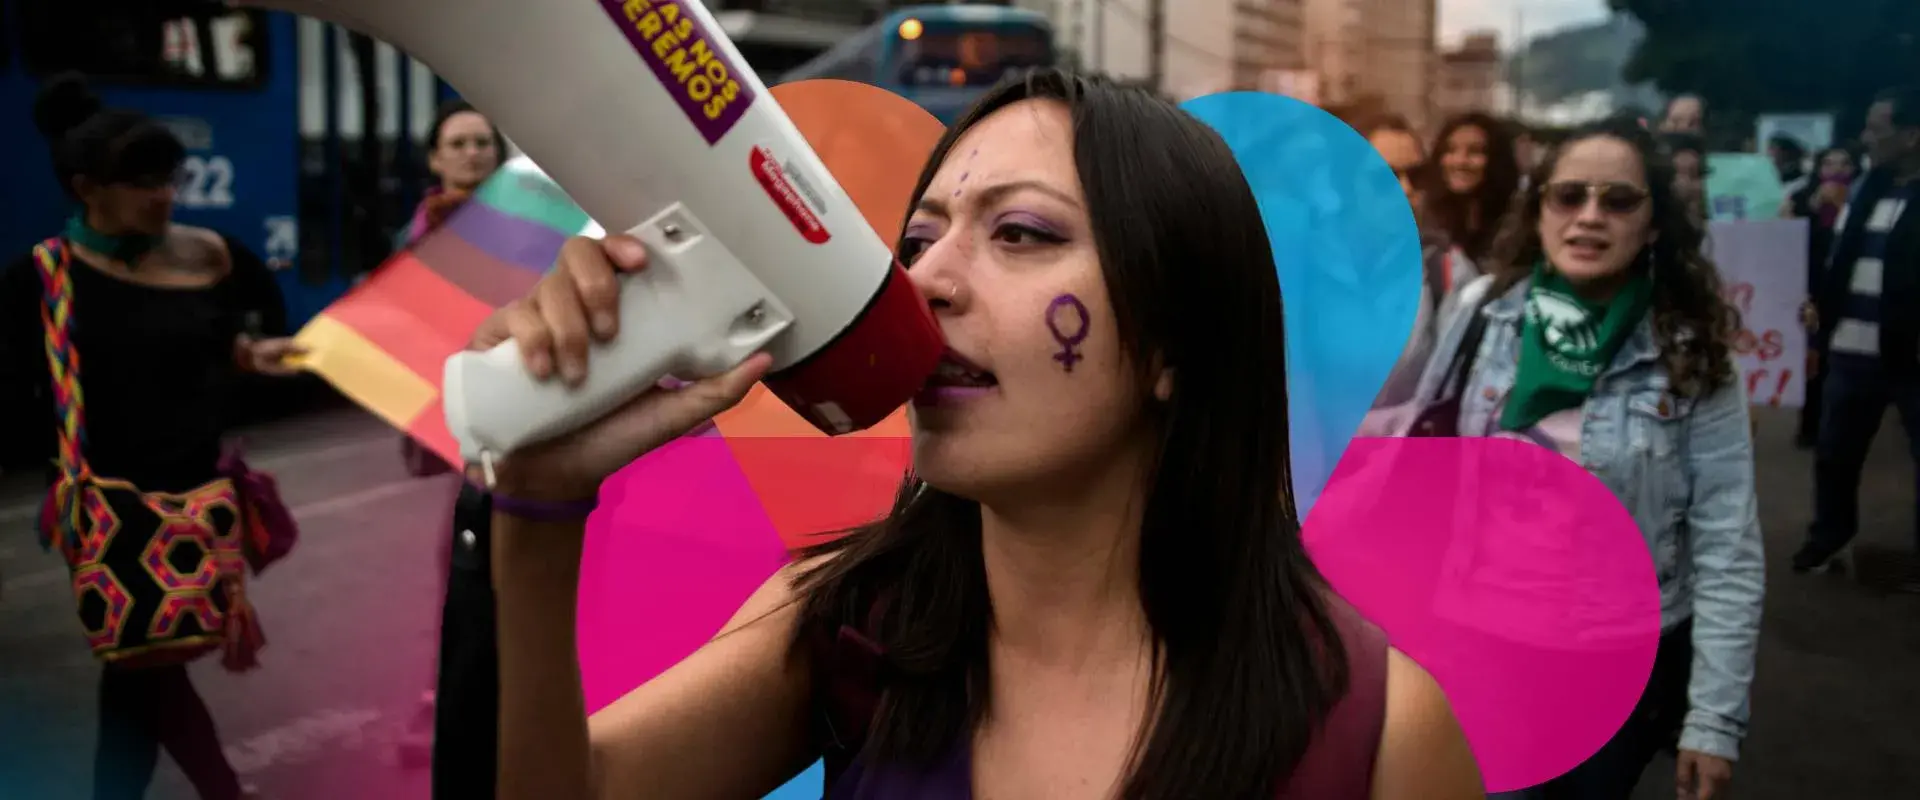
(1348, 254)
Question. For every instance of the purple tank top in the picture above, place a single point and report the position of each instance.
(952, 780)
(1338, 765)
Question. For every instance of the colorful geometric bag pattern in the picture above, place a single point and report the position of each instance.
(157, 577)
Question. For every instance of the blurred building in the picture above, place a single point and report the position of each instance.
(1374, 55)
(1470, 78)
(1269, 46)
(1333, 47)
(1209, 45)
(1399, 56)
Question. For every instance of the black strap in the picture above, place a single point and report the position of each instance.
(1436, 268)
(1463, 357)
(850, 670)
(1440, 415)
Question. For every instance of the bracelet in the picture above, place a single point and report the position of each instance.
(543, 510)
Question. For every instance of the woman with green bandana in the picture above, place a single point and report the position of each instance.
(1566, 341)
(145, 324)
(1599, 332)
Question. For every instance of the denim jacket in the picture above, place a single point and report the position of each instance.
(1455, 272)
(1683, 467)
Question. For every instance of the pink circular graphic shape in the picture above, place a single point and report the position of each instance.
(678, 543)
(1514, 576)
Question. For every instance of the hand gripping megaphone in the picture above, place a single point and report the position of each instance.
(646, 114)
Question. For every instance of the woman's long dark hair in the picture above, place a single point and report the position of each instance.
(1692, 322)
(1454, 213)
(1248, 660)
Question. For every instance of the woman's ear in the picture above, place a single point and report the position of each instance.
(1163, 385)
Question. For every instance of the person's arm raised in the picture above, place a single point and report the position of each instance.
(729, 721)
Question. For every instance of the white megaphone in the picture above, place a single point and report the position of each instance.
(646, 114)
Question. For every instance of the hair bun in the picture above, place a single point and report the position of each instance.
(65, 101)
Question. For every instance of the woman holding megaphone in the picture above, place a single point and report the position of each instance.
(1088, 586)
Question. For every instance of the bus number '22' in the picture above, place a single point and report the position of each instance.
(205, 182)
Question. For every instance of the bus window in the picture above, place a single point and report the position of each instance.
(970, 57)
(114, 43)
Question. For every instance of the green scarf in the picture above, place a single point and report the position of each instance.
(1565, 343)
(126, 249)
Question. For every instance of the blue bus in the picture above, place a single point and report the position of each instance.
(267, 162)
(942, 57)
(293, 149)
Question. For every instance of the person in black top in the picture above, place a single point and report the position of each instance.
(1819, 201)
(1865, 328)
(1789, 160)
(162, 315)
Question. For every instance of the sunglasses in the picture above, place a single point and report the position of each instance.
(1615, 198)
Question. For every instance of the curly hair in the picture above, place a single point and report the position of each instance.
(1693, 323)
(1490, 200)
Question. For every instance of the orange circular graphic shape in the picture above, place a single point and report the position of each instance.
(872, 140)
(874, 143)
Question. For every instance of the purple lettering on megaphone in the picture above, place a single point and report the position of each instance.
(681, 53)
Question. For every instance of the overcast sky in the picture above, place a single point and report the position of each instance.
(1535, 16)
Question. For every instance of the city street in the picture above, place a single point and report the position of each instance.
(350, 618)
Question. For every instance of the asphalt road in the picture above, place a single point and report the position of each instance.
(351, 616)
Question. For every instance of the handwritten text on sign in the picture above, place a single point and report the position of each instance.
(1763, 273)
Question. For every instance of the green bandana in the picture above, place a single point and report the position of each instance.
(1565, 342)
(125, 249)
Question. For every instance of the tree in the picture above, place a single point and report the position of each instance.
(1555, 66)
(1762, 56)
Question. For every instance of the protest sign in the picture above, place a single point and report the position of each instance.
(1763, 273)
(1813, 131)
(1742, 186)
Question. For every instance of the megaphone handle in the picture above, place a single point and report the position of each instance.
(695, 311)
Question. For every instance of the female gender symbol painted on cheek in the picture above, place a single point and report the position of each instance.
(1068, 341)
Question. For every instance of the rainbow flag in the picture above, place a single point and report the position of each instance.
(685, 534)
(386, 342)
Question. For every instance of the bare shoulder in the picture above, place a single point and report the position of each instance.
(778, 597)
(1423, 752)
(196, 236)
(201, 249)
